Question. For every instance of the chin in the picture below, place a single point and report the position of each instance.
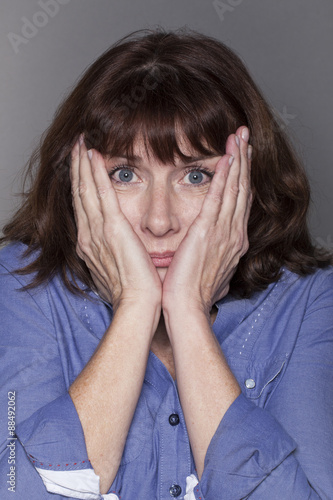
(162, 272)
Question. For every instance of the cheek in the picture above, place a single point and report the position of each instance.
(189, 209)
(131, 207)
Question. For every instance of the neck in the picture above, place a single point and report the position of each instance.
(161, 338)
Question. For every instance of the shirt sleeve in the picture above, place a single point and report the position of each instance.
(284, 450)
(42, 446)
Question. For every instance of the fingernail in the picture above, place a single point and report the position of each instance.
(231, 159)
(90, 154)
(245, 134)
(249, 152)
(237, 140)
(81, 139)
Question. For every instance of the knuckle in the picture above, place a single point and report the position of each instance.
(79, 251)
(75, 192)
(75, 155)
(239, 240)
(245, 185)
(83, 244)
(244, 153)
(245, 247)
(101, 191)
(95, 233)
(82, 188)
(234, 189)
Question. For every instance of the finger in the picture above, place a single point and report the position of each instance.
(231, 190)
(87, 192)
(250, 196)
(244, 176)
(244, 199)
(237, 188)
(79, 213)
(107, 196)
(74, 172)
(213, 200)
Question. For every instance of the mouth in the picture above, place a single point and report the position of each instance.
(162, 259)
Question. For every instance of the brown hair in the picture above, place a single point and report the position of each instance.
(156, 84)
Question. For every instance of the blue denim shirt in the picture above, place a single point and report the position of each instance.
(274, 442)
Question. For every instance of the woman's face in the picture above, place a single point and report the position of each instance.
(160, 200)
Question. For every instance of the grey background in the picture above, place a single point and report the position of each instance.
(286, 44)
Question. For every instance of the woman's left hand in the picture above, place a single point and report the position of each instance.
(207, 258)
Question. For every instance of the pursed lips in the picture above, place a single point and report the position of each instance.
(162, 259)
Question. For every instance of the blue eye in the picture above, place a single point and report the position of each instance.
(125, 175)
(195, 177)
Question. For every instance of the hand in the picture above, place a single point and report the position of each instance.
(207, 258)
(118, 262)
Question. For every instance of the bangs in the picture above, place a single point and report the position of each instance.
(174, 94)
(164, 109)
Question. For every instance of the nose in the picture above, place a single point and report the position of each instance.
(160, 217)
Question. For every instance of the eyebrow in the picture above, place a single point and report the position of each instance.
(191, 159)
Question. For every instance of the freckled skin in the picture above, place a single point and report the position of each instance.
(160, 201)
(168, 310)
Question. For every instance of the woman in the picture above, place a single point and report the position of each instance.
(166, 321)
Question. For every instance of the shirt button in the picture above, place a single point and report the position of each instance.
(174, 419)
(175, 490)
(250, 383)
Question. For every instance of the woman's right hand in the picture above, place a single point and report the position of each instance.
(120, 266)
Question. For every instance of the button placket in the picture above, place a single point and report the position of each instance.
(252, 331)
(175, 462)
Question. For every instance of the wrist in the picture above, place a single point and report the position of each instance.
(146, 300)
(178, 306)
(140, 311)
(182, 321)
